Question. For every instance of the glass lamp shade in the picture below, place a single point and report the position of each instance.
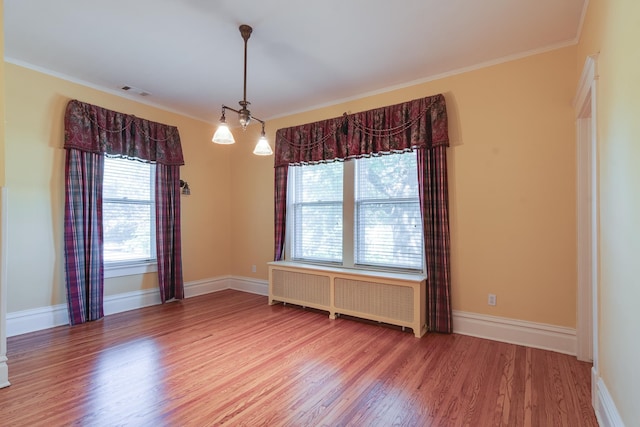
(223, 135)
(262, 147)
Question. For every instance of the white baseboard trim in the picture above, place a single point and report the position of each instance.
(606, 412)
(252, 286)
(22, 322)
(25, 321)
(530, 334)
(206, 286)
(129, 301)
(594, 388)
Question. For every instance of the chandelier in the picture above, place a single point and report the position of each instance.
(223, 135)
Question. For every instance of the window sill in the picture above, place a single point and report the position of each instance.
(129, 269)
(381, 274)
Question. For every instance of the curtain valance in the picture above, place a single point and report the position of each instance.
(421, 123)
(95, 129)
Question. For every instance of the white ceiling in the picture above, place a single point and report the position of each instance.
(189, 53)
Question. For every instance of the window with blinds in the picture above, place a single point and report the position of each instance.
(388, 225)
(362, 213)
(128, 211)
(316, 212)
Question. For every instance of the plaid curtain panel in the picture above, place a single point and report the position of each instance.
(434, 205)
(168, 235)
(280, 226)
(83, 235)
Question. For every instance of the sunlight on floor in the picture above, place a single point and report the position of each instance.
(127, 380)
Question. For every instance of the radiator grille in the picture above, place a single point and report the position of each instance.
(304, 287)
(379, 299)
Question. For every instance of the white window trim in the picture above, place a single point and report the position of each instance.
(129, 268)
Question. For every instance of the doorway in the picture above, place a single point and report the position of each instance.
(587, 217)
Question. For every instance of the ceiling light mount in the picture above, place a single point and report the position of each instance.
(223, 135)
(245, 32)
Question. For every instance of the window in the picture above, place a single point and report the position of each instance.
(317, 212)
(363, 213)
(388, 224)
(128, 212)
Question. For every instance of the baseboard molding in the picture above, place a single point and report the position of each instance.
(252, 286)
(606, 411)
(594, 388)
(206, 286)
(22, 322)
(25, 321)
(530, 334)
(129, 301)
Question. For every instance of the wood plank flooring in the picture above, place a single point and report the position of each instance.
(229, 358)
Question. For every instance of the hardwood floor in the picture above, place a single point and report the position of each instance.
(230, 358)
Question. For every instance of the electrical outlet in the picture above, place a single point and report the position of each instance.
(492, 299)
(253, 268)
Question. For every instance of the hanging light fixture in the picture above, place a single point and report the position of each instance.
(223, 135)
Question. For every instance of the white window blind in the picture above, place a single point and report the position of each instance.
(363, 213)
(128, 211)
(388, 225)
(316, 213)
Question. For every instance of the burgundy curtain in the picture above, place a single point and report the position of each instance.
(280, 214)
(434, 205)
(168, 235)
(90, 132)
(83, 235)
(420, 124)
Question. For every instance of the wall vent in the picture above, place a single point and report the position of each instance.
(135, 90)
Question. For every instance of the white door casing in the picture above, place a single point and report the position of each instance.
(587, 217)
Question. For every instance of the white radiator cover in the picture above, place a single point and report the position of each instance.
(397, 299)
(312, 289)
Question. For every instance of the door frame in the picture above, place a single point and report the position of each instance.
(587, 213)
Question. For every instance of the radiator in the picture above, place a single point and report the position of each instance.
(397, 299)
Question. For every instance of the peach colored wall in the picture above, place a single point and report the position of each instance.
(35, 105)
(252, 202)
(512, 186)
(613, 29)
